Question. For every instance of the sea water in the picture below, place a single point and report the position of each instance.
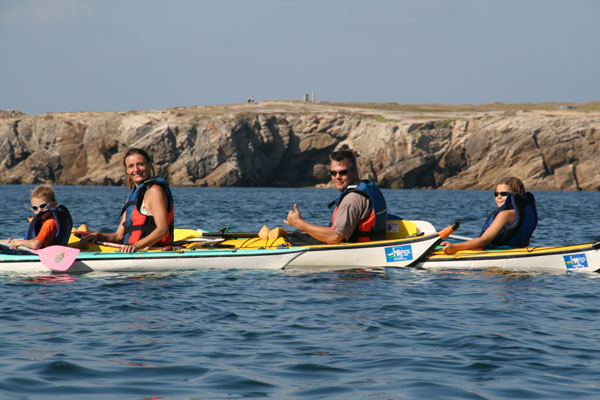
(394, 334)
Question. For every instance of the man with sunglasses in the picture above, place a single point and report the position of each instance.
(51, 224)
(360, 213)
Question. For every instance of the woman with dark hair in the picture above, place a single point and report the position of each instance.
(510, 225)
(147, 217)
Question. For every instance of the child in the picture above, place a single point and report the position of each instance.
(51, 224)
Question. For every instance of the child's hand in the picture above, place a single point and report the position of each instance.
(14, 243)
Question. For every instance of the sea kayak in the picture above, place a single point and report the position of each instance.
(410, 246)
(571, 258)
(151, 261)
(410, 242)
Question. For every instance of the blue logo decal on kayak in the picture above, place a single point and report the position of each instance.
(576, 261)
(399, 253)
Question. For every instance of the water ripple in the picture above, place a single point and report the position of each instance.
(398, 333)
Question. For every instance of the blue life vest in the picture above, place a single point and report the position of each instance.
(519, 232)
(374, 226)
(63, 219)
(137, 225)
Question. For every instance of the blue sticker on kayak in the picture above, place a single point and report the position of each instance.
(576, 261)
(399, 253)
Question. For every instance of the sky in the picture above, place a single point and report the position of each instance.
(122, 55)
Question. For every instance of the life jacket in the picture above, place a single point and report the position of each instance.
(137, 225)
(519, 232)
(63, 219)
(372, 227)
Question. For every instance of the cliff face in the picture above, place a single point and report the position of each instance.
(287, 144)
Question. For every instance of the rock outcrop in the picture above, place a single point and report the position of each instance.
(287, 144)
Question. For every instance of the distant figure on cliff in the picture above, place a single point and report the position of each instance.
(360, 212)
(50, 225)
(148, 212)
(511, 224)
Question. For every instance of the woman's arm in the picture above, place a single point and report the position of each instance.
(116, 237)
(506, 217)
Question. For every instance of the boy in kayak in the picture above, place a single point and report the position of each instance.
(360, 214)
(510, 225)
(147, 217)
(51, 224)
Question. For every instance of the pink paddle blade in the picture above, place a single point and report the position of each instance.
(57, 258)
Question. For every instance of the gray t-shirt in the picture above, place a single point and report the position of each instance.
(353, 208)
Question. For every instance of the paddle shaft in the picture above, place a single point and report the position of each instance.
(230, 235)
(22, 248)
(118, 246)
(457, 237)
(9, 246)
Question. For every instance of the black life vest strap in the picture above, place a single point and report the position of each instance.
(146, 225)
(132, 228)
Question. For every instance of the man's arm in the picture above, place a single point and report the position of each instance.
(321, 233)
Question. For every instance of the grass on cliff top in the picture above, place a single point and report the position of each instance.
(436, 108)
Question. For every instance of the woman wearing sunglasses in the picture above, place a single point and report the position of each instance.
(51, 224)
(510, 225)
(147, 217)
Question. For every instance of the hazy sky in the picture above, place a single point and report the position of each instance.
(109, 55)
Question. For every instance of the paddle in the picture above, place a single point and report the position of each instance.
(188, 234)
(457, 237)
(57, 258)
(447, 231)
(118, 246)
(81, 234)
(230, 235)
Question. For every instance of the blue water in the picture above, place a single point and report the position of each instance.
(398, 334)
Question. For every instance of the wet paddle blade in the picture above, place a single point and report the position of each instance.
(57, 258)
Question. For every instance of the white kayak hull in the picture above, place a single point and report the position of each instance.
(560, 259)
(265, 259)
(379, 254)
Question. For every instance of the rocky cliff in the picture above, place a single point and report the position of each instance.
(287, 144)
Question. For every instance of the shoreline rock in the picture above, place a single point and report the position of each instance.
(279, 143)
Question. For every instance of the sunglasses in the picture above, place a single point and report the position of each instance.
(503, 194)
(343, 172)
(40, 207)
